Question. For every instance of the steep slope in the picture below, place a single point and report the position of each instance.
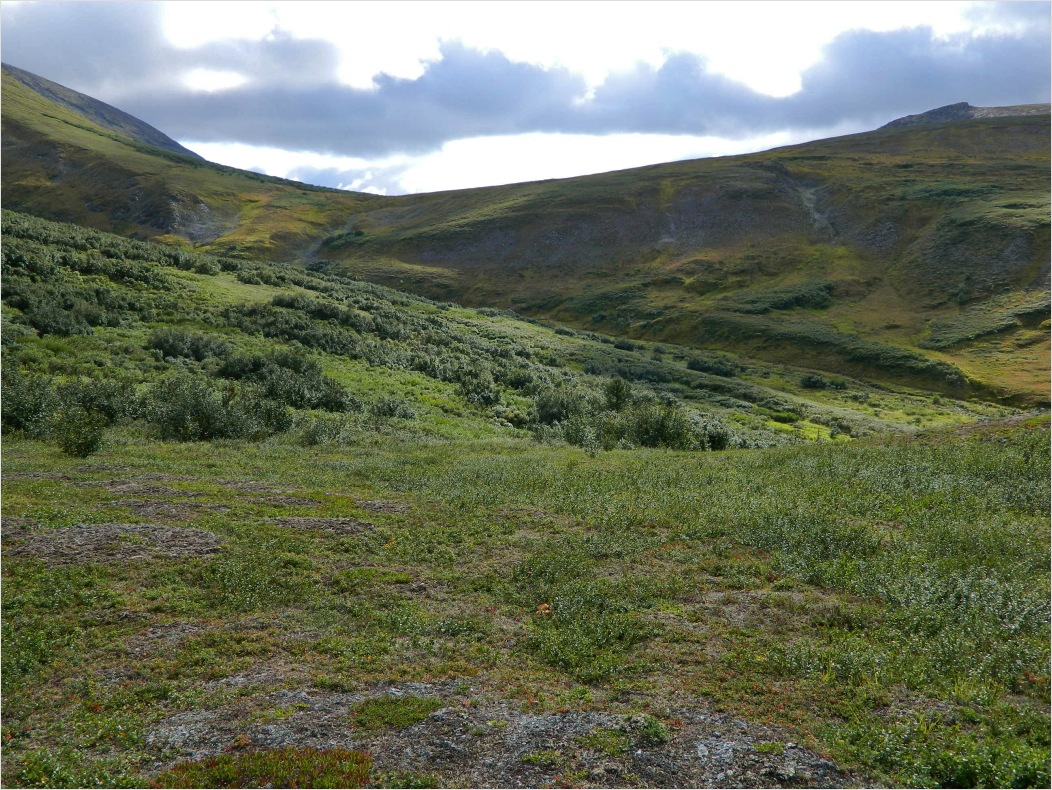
(895, 255)
(98, 112)
(60, 165)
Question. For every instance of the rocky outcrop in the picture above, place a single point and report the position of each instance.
(963, 111)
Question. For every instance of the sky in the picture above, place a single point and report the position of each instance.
(402, 97)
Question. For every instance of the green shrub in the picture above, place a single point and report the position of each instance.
(663, 425)
(618, 394)
(559, 403)
(648, 730)
(813, 381)
(588, 631)
(323, 429)
(715, 367)
(290, 378)
(27, 401)
(186, 409)
(51, 319)
(190, 345)
(477, 387)
(814, 295)
(111, 400)
(612, 743)
(78, 432)
(392, 406)
(589, 623)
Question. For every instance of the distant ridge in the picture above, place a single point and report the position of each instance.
(963, 111)
(99, 112)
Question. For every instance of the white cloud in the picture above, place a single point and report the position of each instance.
(209, 80)
(483, 161)
(765, 45)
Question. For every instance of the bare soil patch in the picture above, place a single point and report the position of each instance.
(35, 476)
(162, 637)
(288, 500)
(382, 507)
(110, 543)
(174, 511)
(17, 522)
(340, 526)
(137, 488)
(492, 743)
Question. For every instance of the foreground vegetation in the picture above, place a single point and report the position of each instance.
(885, 601)
(227, 481)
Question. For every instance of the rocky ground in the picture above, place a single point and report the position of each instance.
(478, 739)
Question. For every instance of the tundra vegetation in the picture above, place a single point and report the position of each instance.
(227, 480)
(733, 477)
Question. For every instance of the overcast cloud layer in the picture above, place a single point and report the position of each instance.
(291, 97)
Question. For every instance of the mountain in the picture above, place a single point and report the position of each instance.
(915, 254)
(61, 165)
(96, 111)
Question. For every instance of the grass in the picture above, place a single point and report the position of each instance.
(393, 713)
(880, 593)
(881, 581)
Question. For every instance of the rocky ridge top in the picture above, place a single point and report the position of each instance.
(963, 111)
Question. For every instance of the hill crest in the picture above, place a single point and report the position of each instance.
(105, 115)
(963, 111)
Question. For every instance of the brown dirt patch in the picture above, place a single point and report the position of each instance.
(340, 526)
(35, 476)
(136, 488)
(288, 500)
(164, 477)
(382, 507)
(175, 511)
(164, 636)
(110, 543)
(17, 522)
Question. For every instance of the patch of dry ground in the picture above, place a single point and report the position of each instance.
(383, 507)
(109, 543)
(340, 526)
(175, 511)
(490, 742)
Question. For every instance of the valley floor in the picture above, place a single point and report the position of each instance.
(502, 612)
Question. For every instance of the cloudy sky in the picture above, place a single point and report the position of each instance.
(396, 97)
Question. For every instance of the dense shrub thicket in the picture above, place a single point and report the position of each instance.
(204, 371)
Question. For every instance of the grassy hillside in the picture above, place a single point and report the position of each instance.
(914, 255)
(904, 230)
(62, 166)
(104, 115)
(266, 524)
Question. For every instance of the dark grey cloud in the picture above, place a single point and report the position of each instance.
(465, 93)
(878, 76)
(112, 48)
(118, 53)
